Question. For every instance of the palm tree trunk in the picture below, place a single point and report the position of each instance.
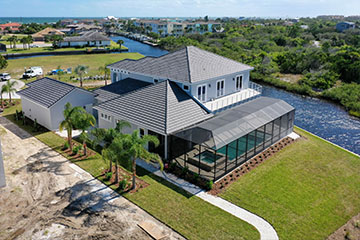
(85, 148)
(2, 102)
(116, 173)
(81, 81)
(69, 139)
(9, 97)
(134, 174)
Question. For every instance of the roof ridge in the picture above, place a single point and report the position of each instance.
(166, 104)
(188, 62)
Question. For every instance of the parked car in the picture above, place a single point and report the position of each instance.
(32, 72)
(4, 76)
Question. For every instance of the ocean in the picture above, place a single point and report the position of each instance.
(39, 19)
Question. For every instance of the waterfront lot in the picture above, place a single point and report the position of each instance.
(94, 61)
(306, 191)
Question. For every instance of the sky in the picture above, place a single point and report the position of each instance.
(177, 8)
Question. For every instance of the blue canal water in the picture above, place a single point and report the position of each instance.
(322, 118)
(144, 49)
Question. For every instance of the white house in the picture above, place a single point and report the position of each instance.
(89, 39)
(45, 99)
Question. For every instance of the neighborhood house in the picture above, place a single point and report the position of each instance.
(47, 32)
(207, 114)
(90, 39)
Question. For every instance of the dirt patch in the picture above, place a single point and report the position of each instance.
(47, 197)
(350, 231)
(291, 78)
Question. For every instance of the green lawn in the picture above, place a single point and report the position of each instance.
(51, 49)
(188, 215)
(306, 191)
(16, 66)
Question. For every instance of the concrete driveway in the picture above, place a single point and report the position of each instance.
(19, 84)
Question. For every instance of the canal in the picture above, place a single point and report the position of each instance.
(319, 117)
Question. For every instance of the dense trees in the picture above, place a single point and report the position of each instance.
(3, 62)
(311, 48)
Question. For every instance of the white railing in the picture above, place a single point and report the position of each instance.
(234, 98)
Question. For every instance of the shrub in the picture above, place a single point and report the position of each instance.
(76, 149)
(108, 176)
(66, 145)
(196, 177)
(357, 224)
(209, 185)
(123, 184)
(184, 171)
(172, 166)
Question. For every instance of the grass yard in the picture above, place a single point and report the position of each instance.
(188, 215)
(51, 49)
(94, 61)
(306, 191)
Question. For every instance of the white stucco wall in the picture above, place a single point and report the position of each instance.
(80, 44)
(36, 111)
(229, 85)
(77, 97)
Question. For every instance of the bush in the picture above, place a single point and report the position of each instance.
(196, 177)
(209, 185)
(76, 149)
(108, 176)
(184, 171)
(123, 184)
(66, 145)
(172, 167)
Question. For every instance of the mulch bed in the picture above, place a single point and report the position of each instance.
(222, 184)
(123, 174)
(349, 231)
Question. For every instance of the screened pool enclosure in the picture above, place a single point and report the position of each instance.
(218, 145)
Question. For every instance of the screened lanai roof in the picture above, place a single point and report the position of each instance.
(236, 122)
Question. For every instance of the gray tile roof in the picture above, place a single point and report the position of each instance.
(163, 108)
(47, 91)
(113, 90)
(87, 36)
(190, 64)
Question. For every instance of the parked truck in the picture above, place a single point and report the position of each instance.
(32, 72)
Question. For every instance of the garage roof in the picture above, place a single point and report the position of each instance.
(47, 91)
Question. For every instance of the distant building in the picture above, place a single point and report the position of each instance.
(90, 39)
(331, 17)
(305, 27)
(78, 28)
(176, 27)
(14, 27)
(2, 47)
(342, 26)
(40, 36)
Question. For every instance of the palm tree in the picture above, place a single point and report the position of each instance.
(14, 40)
(69, 120)
(29, 40)
(2, 91)
(120, 42)
(84, 121)
(80, 70)
(137, 149)
(24, 42)
(9, 88)
(108, 155)
(106, 71)
(119, 150)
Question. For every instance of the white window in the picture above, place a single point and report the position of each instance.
(238, 82)
(220, 88)
(201, 93)
(105, 117)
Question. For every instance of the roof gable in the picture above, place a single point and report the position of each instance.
(190, 64)
(47, 91)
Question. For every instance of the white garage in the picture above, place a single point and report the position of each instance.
(45, 99)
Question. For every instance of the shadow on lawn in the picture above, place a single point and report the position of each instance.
(143, 172)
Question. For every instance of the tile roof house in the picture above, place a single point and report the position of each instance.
(342, 26)
(206, 113)
(14, 27)
(91, 39)
(40, 36)
(44, 100)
